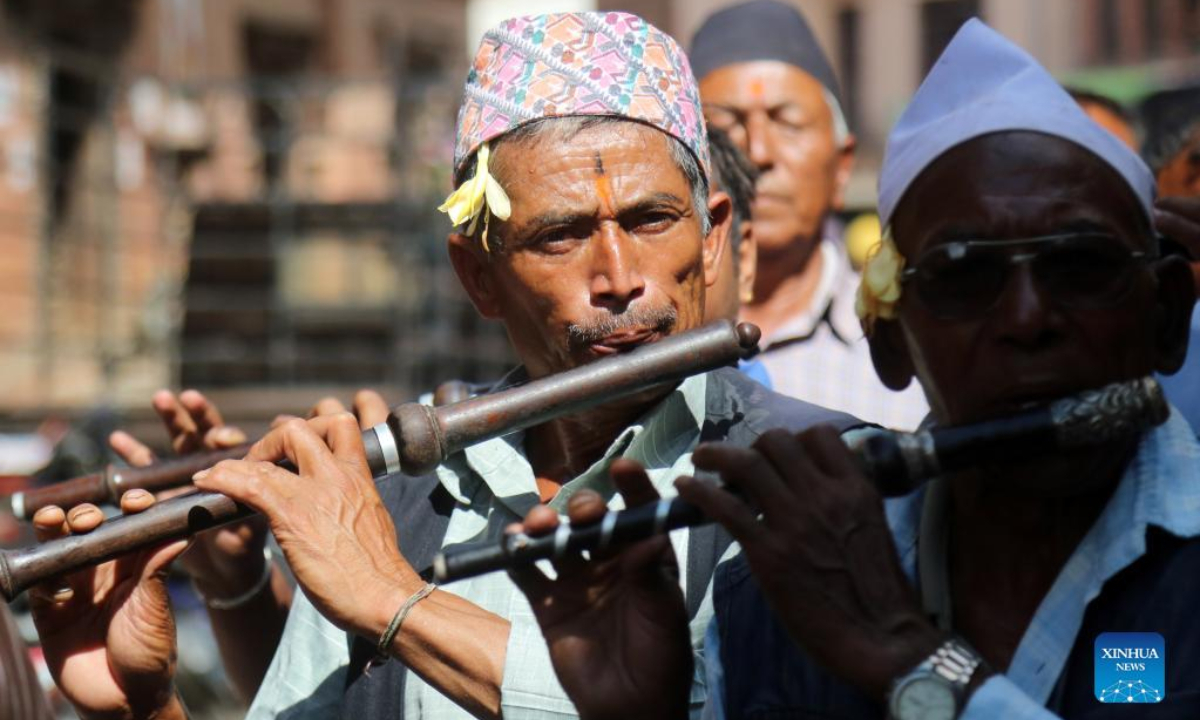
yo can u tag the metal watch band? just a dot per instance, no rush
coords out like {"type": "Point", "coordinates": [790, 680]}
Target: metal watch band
{"type": "Point", "coordinates": [956, 662]}
{"type": "Point", "coordinates": [952, 664]}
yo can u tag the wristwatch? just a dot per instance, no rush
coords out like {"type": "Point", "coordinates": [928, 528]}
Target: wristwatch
{"type": "Point", "coordinates": [937, 688]}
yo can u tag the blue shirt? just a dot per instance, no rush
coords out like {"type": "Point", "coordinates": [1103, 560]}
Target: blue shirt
{"type": "Point", "coordinates": [1160, 487]}
{"type": "Point", "coordinates": [756, 371]}
{"type": "Point", "coordinates": [1183, 388]}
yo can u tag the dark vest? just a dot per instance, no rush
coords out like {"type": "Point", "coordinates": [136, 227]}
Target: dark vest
{"type": "Point", "coordinates": [421, 508]}
{"type": "Point", "coordinates": [767, 677]}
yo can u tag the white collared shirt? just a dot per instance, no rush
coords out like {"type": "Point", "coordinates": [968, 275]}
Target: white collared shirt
{"type": "Point", "coordinates": [821, 356]}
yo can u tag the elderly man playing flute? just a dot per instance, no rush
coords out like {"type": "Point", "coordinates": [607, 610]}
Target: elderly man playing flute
{"type": "Point", "coordinates": [585, 225]}
{"type": "Point", "coordinates": [1020, 264]}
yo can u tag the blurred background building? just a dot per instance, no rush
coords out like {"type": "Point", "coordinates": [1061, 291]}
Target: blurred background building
{"type": "Point", "coordinates": [881, 49]}
{"type": "Point", "coordinates": [238, 195]}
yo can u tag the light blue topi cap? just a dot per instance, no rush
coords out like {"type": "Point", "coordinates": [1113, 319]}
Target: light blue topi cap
{"type": "Point", "coordinates": [983, 84]}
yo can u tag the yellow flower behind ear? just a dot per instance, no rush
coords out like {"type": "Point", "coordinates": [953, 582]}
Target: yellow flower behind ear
{"type": "Point", "coordinates": [481, 195]}
{"type": "Point", "coordinates": [879, 290]}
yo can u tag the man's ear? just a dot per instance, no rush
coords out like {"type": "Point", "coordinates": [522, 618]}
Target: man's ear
{"type": "Point", "coordinates": [747, 262]}
{"type": "Point", "coordinates": [844, 165]}
{"type": "Point", "coordinates": [476, 274]}
{"type": "Point", "coordinates": [720, 209]}
{"type": "Point", "coordinates": [1173, 312]}
{"type": "Point", "coordinates": [890, 355]}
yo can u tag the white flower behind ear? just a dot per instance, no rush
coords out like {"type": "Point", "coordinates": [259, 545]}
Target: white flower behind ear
{"type": "Point", "coordinates": [479, 196]}
{"type": "Point", "coordinates": [879, 290]}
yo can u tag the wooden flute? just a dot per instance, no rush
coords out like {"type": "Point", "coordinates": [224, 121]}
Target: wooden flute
{"type": "Point", "coordinates": [109, 484]}
{"type": "Point", "coordinates": [414, 440]}
{"type": "Point", "coordinates": [896, 462]}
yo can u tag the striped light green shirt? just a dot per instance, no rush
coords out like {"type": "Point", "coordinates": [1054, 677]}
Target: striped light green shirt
{"type": "Point", "coordinates": [494, 485]}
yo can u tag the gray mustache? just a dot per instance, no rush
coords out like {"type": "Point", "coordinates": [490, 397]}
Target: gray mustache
{"type": "Point", "coordinates": [660, 319]}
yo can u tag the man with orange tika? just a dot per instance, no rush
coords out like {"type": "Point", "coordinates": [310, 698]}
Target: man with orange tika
{"type": "Point", "coordinates": [765, 81]}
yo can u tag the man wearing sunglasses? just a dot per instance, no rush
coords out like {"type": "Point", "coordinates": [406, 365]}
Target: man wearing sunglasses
{"type": "Point", "coordinates": [1019, 266]}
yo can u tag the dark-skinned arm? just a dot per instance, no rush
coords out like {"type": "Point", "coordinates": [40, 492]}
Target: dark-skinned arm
{"type": "Point", "coordinates": [824, 557]}
{"type": "Point", "coordinates": [822, 553]}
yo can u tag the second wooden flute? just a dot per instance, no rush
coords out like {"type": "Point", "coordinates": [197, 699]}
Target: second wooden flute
{"type": "Point", "coordinates": [414, 439]}
{"type": "Point", "coordinates": [896, 462]}
{"type": "Point", "coordinates": [109, 484]}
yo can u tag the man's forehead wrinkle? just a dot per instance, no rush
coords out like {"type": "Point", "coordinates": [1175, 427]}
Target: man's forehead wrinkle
{"type": "Point", "coordinates": [763, 81]}
{"type": "Point", "coordinates": [554, 142]}
{"type": "Point", "coordinates": [633, 156]}
{"type": "Point", "coordinates": [1017, 214]}
{"type": "Point", "coordinates": [641, 202]}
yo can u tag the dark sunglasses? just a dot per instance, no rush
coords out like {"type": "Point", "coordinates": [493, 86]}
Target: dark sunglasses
{"type": "Point", "coordinates": [1081, 270]}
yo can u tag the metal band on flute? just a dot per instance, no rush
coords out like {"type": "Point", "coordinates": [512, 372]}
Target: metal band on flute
{"type": "Point", "coordinates": [421, 437]}
{"type": "Point", "coordinates": [387, 447]}
{"type": "Point", "coordinates": [896, 462]}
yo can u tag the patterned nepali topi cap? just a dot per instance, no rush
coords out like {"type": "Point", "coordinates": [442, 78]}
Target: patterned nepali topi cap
{"type": "Point", "coordinates": [561, 64]}
{"type": "Point", "coordinates": [584, 63]}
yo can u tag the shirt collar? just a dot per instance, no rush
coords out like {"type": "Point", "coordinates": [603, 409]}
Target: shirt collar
{"type": "Point", "coordinates": [832, 302]}
{"type": "Point", "coordinates": [1160, 486]}
{"type": "Point", "coordinates": [656, 440]}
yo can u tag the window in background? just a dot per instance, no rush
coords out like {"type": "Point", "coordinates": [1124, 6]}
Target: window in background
{"type": "Point", "coordinates": [1109, 22]}
{"type": "Point", "coordinates": [940, 19]}
{"type": "Point", "coordinates": [276, 54]}
{"type": "Point", "coordinates": [1191, 23]}
{"type": "Point", "coordinates": [848, 56]}
{"type": "Point", "coordinates": [1152, 28]}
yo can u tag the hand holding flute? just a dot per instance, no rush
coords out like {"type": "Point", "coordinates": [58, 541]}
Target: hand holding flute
{"type": "Point", "coordinates": [108, 634]}
{"type": "Point", "coordinates": [124, 599]}
{"type": "Point", "coordinates": [416, 438]}
{"type": "Point", "coordinates": [823, 538]}
{"type": "Point", "coordinates": [895, 462]}
{"type": "Point", "coordinates": [248, 595]}
{"type": "Point", "coordinates": [330, 521]}
{"type": "Point", "coordinates": [222, 563]}
{"type": "Point", "coordinates": [814, 536]}
{"type": "Point", "coordinates": [622, 607]}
